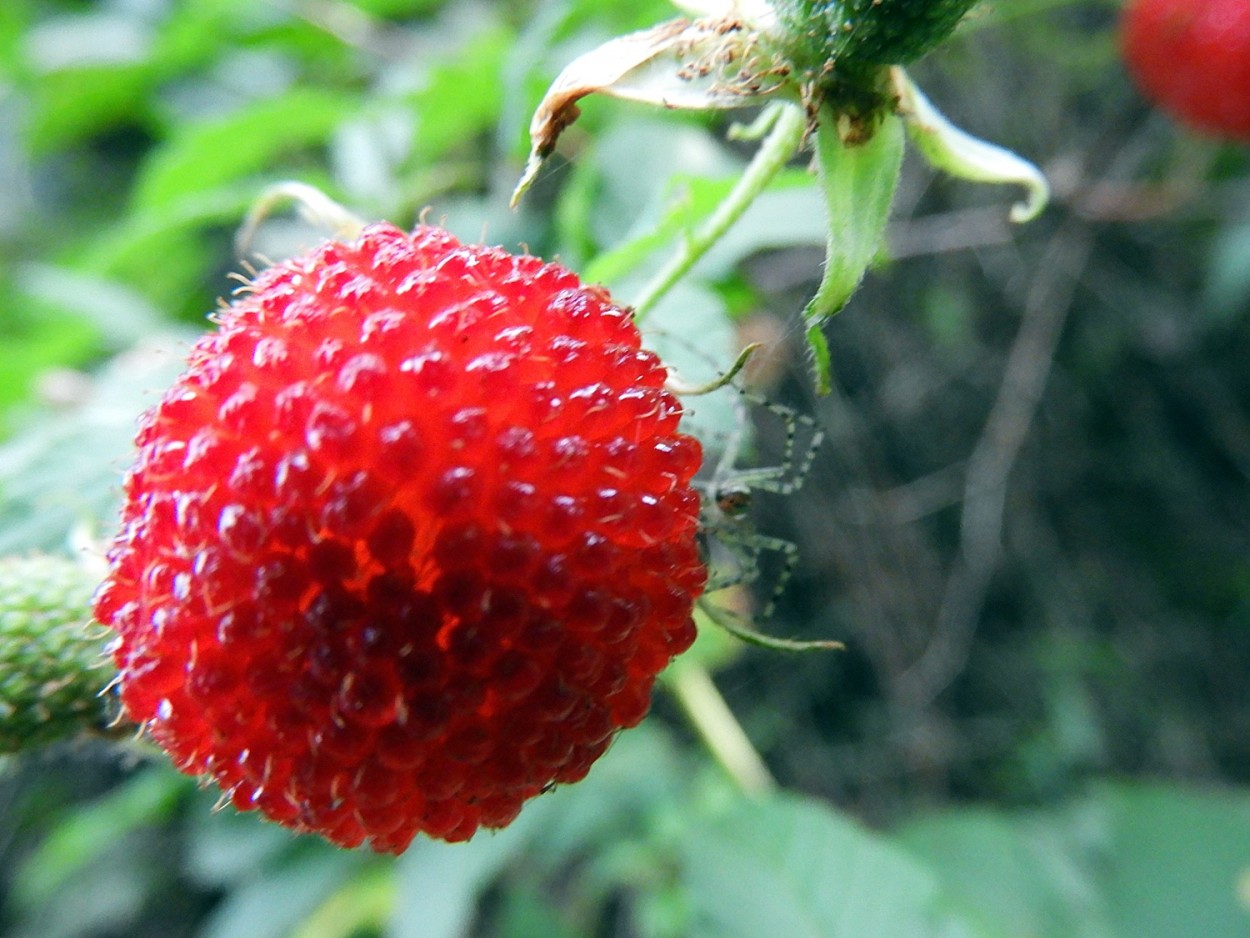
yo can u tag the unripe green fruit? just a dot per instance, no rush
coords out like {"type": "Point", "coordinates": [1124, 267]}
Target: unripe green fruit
{"type": "Point", "coordinates": [856, 35]}
{"type": "Point", "coordinates": [53, 670]}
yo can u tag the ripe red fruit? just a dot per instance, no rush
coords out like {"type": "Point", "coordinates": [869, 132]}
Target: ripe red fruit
{"type": "Point", "coordinates": [1192, 59]}
{"type": "Point", "coordinates": [408, 541]}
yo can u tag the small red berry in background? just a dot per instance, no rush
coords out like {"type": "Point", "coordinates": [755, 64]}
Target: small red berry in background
{"type": "Point", "coordinates": [408, 541]}
{"type": "Point", "coordinates": [1192, 59]}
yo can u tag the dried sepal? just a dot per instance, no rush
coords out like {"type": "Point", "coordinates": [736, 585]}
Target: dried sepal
{"type": "Point", "coordinates": [759, 13]}
{"type": "Point", "coordinates": [711, 63]}
{"type": "Point", "coordinates": [314, 206]}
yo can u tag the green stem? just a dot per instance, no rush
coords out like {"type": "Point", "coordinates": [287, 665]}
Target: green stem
{"type": "Point", "coordinates": [782, 142]}
{"type": "Point", "coordinates": [54, 672]}
{"type": "Point", "coordinates": [720, 729]}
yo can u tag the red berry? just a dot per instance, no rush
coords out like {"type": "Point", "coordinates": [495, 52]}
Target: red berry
{"type": "Point", "coordinates": [407, 542]}
{"type": "Point", "coordinates": [1192, 59]}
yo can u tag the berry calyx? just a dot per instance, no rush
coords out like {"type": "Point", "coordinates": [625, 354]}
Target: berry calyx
{"type": "Point", "coordinates": [1193, 61]}
{"type": "Point", "coordinates": [408, 541]}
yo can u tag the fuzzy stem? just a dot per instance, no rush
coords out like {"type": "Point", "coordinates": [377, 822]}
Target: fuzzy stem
{"type": "Point", "coordinates": [54, 674]}
{"type": "Point", "coordinates": [782, 142]}
{"type": "Point", "coordinates": [720, 729]}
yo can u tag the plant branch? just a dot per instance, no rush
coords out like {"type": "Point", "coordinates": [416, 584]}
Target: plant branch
{"type": "Point", "coordinates": [719, 728]}
{"type": "Point", "coordinates": [991, 463]}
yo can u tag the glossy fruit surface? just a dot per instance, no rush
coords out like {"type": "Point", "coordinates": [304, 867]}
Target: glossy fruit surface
{"type": "Point", "coordinates": [407, 542]}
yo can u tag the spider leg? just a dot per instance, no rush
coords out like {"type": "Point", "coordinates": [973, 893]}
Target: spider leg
{"type": "Point", "coordinates": [733, 547]}
{"type": "Point", "coordinates": [803, 438]}
{"type": "Point", "coordinates": [732, 623]}
{"type": "Point", "coordinates": [747, 546]}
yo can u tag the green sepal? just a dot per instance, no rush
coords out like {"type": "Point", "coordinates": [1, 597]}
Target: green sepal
{"type": "Point", "coordinates": [53, 669]}
{"type": "Point", "coordinates": [957, 152]}
{"type": "Point", "coordinates": [858, 178]}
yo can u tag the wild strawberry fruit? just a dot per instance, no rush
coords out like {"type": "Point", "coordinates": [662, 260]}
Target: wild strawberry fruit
{"type": "Point", "coordinates": [408, 541]}
{"type": "Point", "coordinates": [1192, 59]}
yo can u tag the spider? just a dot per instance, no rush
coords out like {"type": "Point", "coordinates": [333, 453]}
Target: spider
{"type": "Point", "coordinates": [734, 547]}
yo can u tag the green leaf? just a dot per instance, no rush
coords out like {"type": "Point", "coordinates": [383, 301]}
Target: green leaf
{"type": "Point", "coordinates": [207, 155]}
{"type": "Point", "coordinates": [90, 831]}
{"type": "Point", "coordinates": [75, 103]}
{"type": "Point", "coordinates": [695, 199]}
{"type": "Point", "coordinates": [789, 866]}
{"type": "Point", "coordinates": [650, 173]}
{"type": "Point", "coordinates": [691, 332]}
{"type": "Point", "coordinates": [781, 216]}
{"type": "Point", "coordinates": [525, 913]}
{"type": "Point", "coordinates": [461, 96]}
{"type": "Point", "coordinates": [1180, 862]}
{"type": "Point", "coordinates": [194, 32]}
{"type": "Point", "coordinates": [164, 252]}
{"type": "Point", "coordinates": [35, 339]}
{"type": "Point", "coordinates": [273, 905]}
{"type": "Point", "coordinates": [120, 314]}
{"type": "Point", "coordinates": [788, 214]}
{"type": "Point", "coordinates": [1228, 274]}
{"type": "Point", "coordinates": [14, 23]}
{"type": "Point", "coordinates": [66, 470]}
{"type": "Point", "coordinates": [225, 848]}
{"type": "Point", "coordinates": [642, 773]}
{"type": "Point", "coordinates": [1014, 874]}
{"type": "Point", "coordinates": [438, 884]}
{"type": "Point", "coordinates": [361, 905]}
{"type": "Point", "coordinates": [397, 8]}
{"type": "Point", "coordinates": [1147, 861]}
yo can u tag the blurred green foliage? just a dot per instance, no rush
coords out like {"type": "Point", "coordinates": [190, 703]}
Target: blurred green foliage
{"type": "Point", "coordinates": [1030, 522]}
